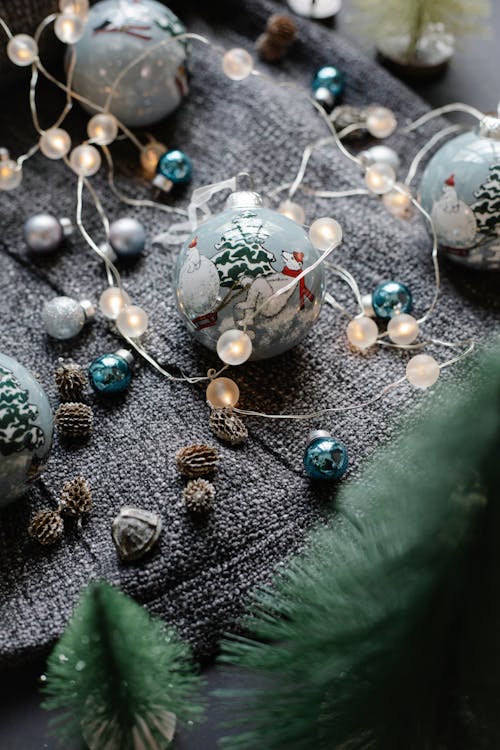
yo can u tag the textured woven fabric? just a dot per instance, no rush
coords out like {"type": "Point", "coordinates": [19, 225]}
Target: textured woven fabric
{"type": "Point", "coordinates": [202, 573]}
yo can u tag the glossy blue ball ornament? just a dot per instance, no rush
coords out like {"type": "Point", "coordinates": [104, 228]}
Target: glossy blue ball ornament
{"type": "Point", "coordinates": [330, 78]}
{"type": "Point", "coordinates": [127, 237]}
{"type": "Point", "coordinates": [111, 373]}
{"type": "Point", "coordinates": [325, 457]}
{"type": "Point", "coordinates": [391, 298]}
{"type": "Point", "coordinates": [174, 168]}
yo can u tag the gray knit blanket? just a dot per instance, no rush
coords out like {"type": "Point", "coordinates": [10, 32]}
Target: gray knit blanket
{"type": "Point", "coordinates": [202, 574]}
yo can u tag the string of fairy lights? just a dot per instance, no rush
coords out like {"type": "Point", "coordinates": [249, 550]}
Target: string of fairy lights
{"type": "Point", "coordinates": [235, 346]}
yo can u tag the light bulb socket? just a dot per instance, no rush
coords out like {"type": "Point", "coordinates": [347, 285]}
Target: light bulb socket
{"type": "Point", "coordinates": [125, 354]}
{"type": "Point", "coordinates": [244, 199]}
{"type": "Point", "coordinates": [88, 309]}
{"type": "Point", "coordinates": [316, 434]}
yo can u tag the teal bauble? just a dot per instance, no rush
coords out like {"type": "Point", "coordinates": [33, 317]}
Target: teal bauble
{"type": "Point", "coordinates": [325, 457]}
{"type": "Point", "coordinates": [391, 298]}
{"type": "Point", "coordinates": [118, 32]}
{"type": "Point", "coordinates": [230, 268]}
{"type": "Point", "coordinates": [26, 427]}
{"type": "Point", "coordinates": [331, 78]}
{"type": "Point", "coordinates": [460, 189]}
{"type": "Point", "coordinates": [174, 168]}
{"type": "Point", "coordinates": [111, 373]}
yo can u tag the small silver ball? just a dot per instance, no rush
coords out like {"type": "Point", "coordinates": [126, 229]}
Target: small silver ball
{"type": "Point", "coordinates": [63, 317]}
{"type": "Point", "coordinates": [42, 233]}
{"type": "Point", "coordinates": [127, 237]}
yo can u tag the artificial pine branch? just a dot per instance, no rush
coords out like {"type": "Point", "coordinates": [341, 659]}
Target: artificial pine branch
{"type": "Point", "coordinates": [119, 677]}
{"type": "Point", "coordinates": [354, 643]}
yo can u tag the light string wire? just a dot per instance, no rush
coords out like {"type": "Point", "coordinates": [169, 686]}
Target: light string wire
{"type": "Point", "coordinates": [113, 274]}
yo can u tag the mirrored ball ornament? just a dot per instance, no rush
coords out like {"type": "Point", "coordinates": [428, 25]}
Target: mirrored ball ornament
{"type": "Point", "coordinates": [43, 233]}
{"type": "Point", "coordinates": [118, 32]}
{"type": "Point", "coordinates": [325, 457]}
{"type": "Point", "coordinates": [127, 237]}
{"type": "Point", "coordinates": [391, 298]}
{"type": "Point", "coordinates": [111, 373]}
{"type": "Point", "coordinates": [174, 168]}
{"type": "Point", "coordinates": [229, 272]}
{"type": "Point", "coordinates": [27, 427]}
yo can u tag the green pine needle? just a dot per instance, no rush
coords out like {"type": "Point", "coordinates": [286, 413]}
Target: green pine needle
{"type": "Point", "coordinates": [118, 676]}
{"type": "Point", "coordinates": [353, 643]}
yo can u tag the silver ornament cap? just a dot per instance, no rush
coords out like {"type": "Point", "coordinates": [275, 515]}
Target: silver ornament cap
{"type": "Point", "coordinates": [244, 199]}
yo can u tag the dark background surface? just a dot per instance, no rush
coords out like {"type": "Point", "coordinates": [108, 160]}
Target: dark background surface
{"type": "Point", "coordinates": [472, 78]}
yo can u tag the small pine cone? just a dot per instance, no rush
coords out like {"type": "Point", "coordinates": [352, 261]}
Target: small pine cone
{"type": "Point", "coordinates": [197, 460]}
{"type": "Point", "coordinates": [74, 420]}
{"type": "Point", "coordinates": [269, 50]}
{"type": "Point", "coordinates": [46, 527]}
{"type": "Point", "coordinates": [282, 29]}
{"type": "Point", "coordinates": [199, 495]}
{"type": "Point", "coordinates": [76, 497]}
{"type": "Point", "coordinates": [227, 426]}
{"type": "Point", "coordinates": [71, 381]}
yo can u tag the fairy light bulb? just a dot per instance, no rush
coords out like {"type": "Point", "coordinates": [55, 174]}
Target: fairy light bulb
{"type": "Point", "coordinates": [74, 7]}
{"type": "Point", "coordinates": [112, 301]}
{"type": "Point", "coordinates": [403, 329]}
{"type": "Point", "coordinates": [85, 160]}
{"type": "Point", "coordinates": [422, 371]}
{"type": "Point", "coordinates": [398, 200]}
{"type": "Point", "coordinates": [69, 27]}
{"type": "Point", "coordinates": [222, 392]}
{"type": "Point", "coordinates": [234, 347]}
{"type": "Point", "coordinates": [150, 156]}
{"type": "Point", "coordinates": [380, 178]}
{"type": "Point", "coordinates": [11, 173]}
{"type": "Point", "coordinates": [103, 128]}
{"type": "Point", "coordinates": [237, 64]}
{"type": "Point", "coordinates": [132, 321]}
{"type": "Point", "coordinates": [381, 122]}
{"type": "Point", "coordinates": [292, 211]}
{"type": "Point", "coordinates": [325, 232]}
{"type": "Point", "coordinates": [362, 332]}
{"type": "Point", "coordinates": [22, 50]}
{"type": "Point", "coordinates": [55, 143]}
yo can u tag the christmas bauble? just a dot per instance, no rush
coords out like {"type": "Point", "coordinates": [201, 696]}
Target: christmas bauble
{"type": "Point", "coordinates": [25, 429]}
{"type": "Point", "coordinates": [229, 270]}
{"type": "Point", "coordinates": [460, 188]}
{"type": "Point", "coordinates": [117, 32]}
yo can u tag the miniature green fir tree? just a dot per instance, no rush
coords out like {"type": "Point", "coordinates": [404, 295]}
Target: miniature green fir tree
{"type": "Point", "coordinates": [119, 678]}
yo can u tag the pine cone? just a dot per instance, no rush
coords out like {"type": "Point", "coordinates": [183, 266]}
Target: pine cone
{"type": "Point", "coordinates": [282, 29]}
{"type": "Point", "coordinates": [199, 496]}
{"type": "Point", "coordinates": [227, 426]}
{"type": "Point", "coordinates": [74, 420]}
{"type": "Point", "coordinates": [269, 50]}
{"type": "Point", "coordinates": [71, 381]}
{"type": "Point", "coordinates": [46, 527]}
{"type": "Point", "coordinates": [76, 497]}
{"type": "Point", "coordinates": [197, 460]}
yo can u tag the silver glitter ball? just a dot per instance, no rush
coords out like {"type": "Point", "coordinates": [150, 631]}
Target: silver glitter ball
{"type": "Point", "coordinates": [127, 237]}
{"type": "Point", "coordinates": [43, 233]}
{"type": "Point", "coordinates": [63, 317]}
{"type": "Point", "coordinates": [135, 532]}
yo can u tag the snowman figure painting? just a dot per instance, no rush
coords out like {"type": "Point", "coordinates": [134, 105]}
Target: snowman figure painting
{"type": "Point", "coordinates": [454, 221]}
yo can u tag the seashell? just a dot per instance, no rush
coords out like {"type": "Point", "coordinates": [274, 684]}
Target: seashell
{"type": "Point", "coordinates": [228, 426]}
{"type": "Point", "coordinates": [197, 460]}
{"type": "Point", "coordinates": [135, 532]}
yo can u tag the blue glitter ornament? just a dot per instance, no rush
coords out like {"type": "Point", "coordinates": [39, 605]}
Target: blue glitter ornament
{"type": "Point", "coordinates": [174, 168]}
{"type": "Point", "coordinates": [111, 373]}
{"type": "Point", "coordinates": [26, 428]}
{"type": "Point", "coordinates": [325, 457]}
{"type": "Point", "coordinates": [330, 78]}
{"type": "Point", "coordinates": [391, 298]}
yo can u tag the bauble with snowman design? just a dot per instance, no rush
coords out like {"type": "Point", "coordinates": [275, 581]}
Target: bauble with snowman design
{"type": "Point", "coordinates": [230, 268]}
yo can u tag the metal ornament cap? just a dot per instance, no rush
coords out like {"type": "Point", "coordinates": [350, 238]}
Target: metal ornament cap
{"type": "Point", "coordinates": [244, 199]}
{"type": "Point", "coordinates": [135, 532]}
{"type": "Point", "coordinates": [315, 434]}
{"type": "Point", "coordinates": [88, 309]}
{"type": "Point", "coordinates": [489, 127]}
{"type": "Point", "coordinates": [127, 355]}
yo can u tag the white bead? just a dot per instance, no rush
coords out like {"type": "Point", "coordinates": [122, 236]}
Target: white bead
{"type": "Point", "coordinates": [234, 347]}
{"type": "Point", "coordinates": [402, 329]}
{"type": "Point", "coordinates": [112, 301]}
{"type": "Point", "coordinates": [293, 211]}
{"type": "Point", "coordinates": [422, 371]}
{"type": "Point", "coordinates": [237, 64]}
{"type": "Point", "coordinates": [22, 50]}
{"type": "Point", "coordinates": [74, 7]}
{"type": "Point", "coordinates": [381, 153]}
{"type": "Point", "coordinates": [85, 160]}
{"type": "Point", "coordinates": [381, 122]}
{"type": "Point", "coordinates": [398, 202]}
{"type": "Point", "coordinates": [55, 143]}
{"type": "Point", "coordinates": [11, 174]}
{"type": "Point", "coordinates": [325, 232]}
{"type": "Point", "coordinates": [132, 321]}
{"type": "Point", "coordinates": [380, 178]}
{"type": "Point", "coordinates": [362, 332]}
{"type": "Point", "coordinates": [102, 128]}
{"type": "Point", "coordinates": [69, 27]}
{"type": "Point", "coordinates": [222, 392]}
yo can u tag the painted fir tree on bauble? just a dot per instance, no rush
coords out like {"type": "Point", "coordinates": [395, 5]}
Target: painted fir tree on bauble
{"type": "Point", "coordinates": [17, 417]}
{"type": "Point", "coordinates": [487, 206]}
